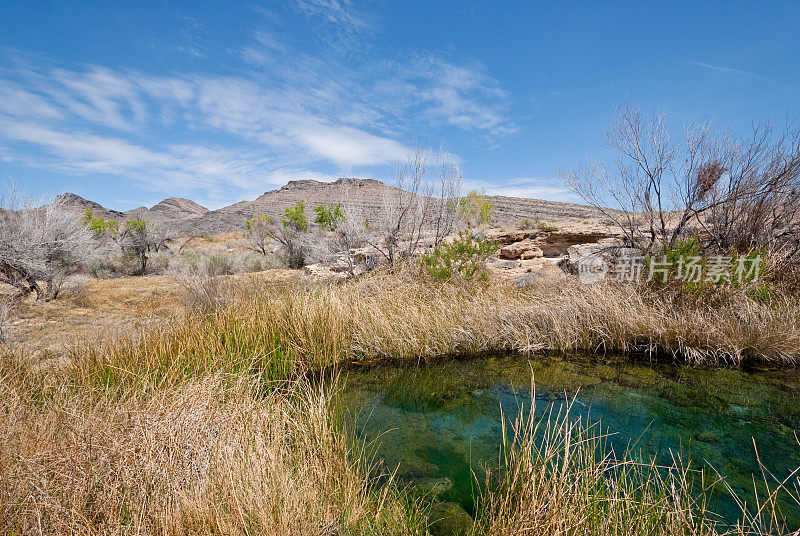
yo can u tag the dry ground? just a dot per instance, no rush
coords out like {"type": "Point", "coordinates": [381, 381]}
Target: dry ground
{"type": "Point", "coordinates": [95, 309]}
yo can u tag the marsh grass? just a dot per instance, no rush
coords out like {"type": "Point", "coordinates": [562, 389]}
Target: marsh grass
{"type": "Point", "coordinates": [208, 423]}
{"type": "Point", "coordinates": [558, 475]}
{"type": "Point", "coordinates": [215, 454]}
{"type": "Point", "coordinates": [276, 330]}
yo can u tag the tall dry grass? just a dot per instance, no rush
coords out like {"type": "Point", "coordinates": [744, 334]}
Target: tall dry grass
{"type": "Point", "coordinates": [205, 424]}
{"type": "Point", "coordinates": [213, 455]}
{"type": "Point", "coordinates": [278, 330]}
{"type": "Point", "coordinates": [556, 475]}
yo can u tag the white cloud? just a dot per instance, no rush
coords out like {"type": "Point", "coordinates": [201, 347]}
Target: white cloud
{"type": "Point", "coordinates": [288, 111]}
{"type": "Point", "coordinates": [527, 187]}
{"type": "Point", "coordinates": [346, 21]}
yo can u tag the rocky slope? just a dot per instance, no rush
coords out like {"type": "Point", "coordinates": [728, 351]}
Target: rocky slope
{"type": "Point", "coordinates": [169, 212]}
{"type": "Point", "coordinates": [177, 216]}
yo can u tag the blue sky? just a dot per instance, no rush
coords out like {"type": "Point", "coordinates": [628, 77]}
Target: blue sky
{"type": "Point", "coordinates": [130, 102]}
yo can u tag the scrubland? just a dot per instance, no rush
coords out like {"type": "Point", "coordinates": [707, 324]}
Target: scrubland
{"type": "Point", "coordinates": [220, 416]}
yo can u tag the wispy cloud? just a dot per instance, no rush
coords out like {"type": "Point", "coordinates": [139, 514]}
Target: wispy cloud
{"type": "Point", "coordinates": [530, 187]}
{"type": "Point", "coordinates": [748, 74]}
{"type": "Point", "coordinates": [346, 22]}
{"type": "Point", "coordinates": [289, 113]}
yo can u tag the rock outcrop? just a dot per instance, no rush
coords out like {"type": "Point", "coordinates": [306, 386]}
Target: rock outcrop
{"type": "Point", "coordinates": [524, 249]}
{"type": "Point", "coordinates": [530, 245]}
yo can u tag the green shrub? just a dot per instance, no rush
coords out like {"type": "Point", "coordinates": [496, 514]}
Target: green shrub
{"type": "Point", "coordinates": [727, 274]}
{"type": "Point", "coordinates": [219, 264]}
{"type": "Point", "coordinates": [99, 226]}
{"type": "Point", "coordinates": [546, 226]}
{"type": "Point", "coordinates": [475, 208]}
{"type": "Point", "coordinates": [252, 263]}
{"type": "Point", "coordinates": [296, 217]}
{"type": "Point", "coordinates": [329, 217]}
{"type": "Point", "coordinates": [762, 293]}
{"type": "Point", "coordinates": [464, 257]}
{"type": "Point", "coordinates": [526, 223]}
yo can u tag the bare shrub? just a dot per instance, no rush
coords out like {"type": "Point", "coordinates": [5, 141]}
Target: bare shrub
{"type": "Point", "coordinates": [417, 205]}
{"type": "Point", "coordinates": [736, 193]}
{"type": "Point", "coordinates": [290, 234]}
{"type": "Point", "coordinates": [293, 242]}
{"type": "Point", "coordinates": [448, 194]}
{"type": "Point", "coordinates": [756, 199]}
{"type": "Point", "coordinates": [350, 233]}
{"type": "Point", "coordinates": [137, 239]}
{"type": "Point", "coordinates": [405, 207]}
{"type": "Point", "coordinates": [257, 231]}
{"type": "Point", "coordinates": [45, 244]}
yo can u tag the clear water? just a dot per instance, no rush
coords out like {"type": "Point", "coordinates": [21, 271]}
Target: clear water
{"type": "Point", "coordinates": [443, 421]}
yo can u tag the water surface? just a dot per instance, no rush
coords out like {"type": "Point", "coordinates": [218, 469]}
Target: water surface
{"type": "Point", "coordinates": [440, 424]}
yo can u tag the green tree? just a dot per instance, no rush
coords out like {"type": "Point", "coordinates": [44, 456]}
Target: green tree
{"type": "Point", "coordinates": [296, 217]}
{"type": "Point", "coordinates": [475, 208]}
{"type": "Point", "coordinates": [329, 217]}
{"type": "Point", "coordinates": [99, 226]}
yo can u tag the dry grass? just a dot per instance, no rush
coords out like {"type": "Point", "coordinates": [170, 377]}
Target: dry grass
{"type": "Point", "coordinates": [215, 455]}
{"type": "Point", "coordinates": [269, 327]}
{"type": "Point", "coordinates": [556, 476]}
{"type": "Point", "coordinates": [199, 424]}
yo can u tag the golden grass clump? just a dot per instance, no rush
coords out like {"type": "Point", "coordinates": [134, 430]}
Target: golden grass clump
{"type": "Point", "coordinates": [557, 476]}
{"type": "Point", "coordinates": [280, 330]}
{"type": "Point", "coordinates": [214, 455]}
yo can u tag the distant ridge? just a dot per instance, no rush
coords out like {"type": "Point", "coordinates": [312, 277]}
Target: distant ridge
{"type": "Point", "coordinates": [178, 216]}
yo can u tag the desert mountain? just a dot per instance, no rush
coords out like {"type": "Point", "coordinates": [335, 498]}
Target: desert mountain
{"type": "Point", "coordinates": [178, 216]}
{"type": "Point", "coordinates": [169, 212]}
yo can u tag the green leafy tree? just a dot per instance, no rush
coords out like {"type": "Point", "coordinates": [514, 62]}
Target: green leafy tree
{"type": "Point", "coordinates": [296, 217]}
{"type": "Point", "coordinates": [475, 208]}
{"type": "Point", "coordinates": [329, 217]}
{"type": "Point", "coordinates": [99, 226]}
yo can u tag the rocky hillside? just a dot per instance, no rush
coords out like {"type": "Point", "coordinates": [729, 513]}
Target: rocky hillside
{"type": "Point", "coordinates": [177, 216]}
{"type": "Point", "coordinates": [79, 204]}
{"type": "Point", "coordinates": [169, 212]}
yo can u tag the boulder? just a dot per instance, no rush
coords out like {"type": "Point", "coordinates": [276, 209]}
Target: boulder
{"type": "Point", "coordinates": [508, 236]}
{"type": "Point", "coordinates": [556, 243]}
{"type": "Point", "coordinates": [449, 519]}
{"type": "Point", "coordinates": [527, 278]}
{"type": "Point", "coordinates": [592, 261]}
{"type": "Point", "coordinates": [506, 265]}
{"type": "Point", "coordinates": [431, 487]}
{"type": "Point", "coordinates": [524, 249]}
